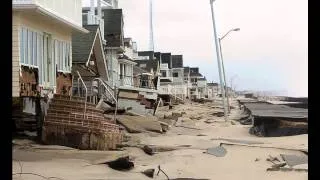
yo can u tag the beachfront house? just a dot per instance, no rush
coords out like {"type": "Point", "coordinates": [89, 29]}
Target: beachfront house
{"type": "Point", "coordinates": [194, 76]}
{"type": "Point", "coordinates": [41, 54]}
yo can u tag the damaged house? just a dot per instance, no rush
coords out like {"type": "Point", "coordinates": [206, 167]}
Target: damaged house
{"type": "Point", "coordinates": [89, 60]}
{"type": "Point", "coordinates": [137, 90]}
{"type": "Point", "coordinates": [45, 47]}
{"type": "Point", "coordinates": [41, 56]}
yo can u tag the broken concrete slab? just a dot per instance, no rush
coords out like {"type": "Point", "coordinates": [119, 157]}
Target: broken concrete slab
{"type": "Point", "coordinates": [138, 124]}
{"type": "Point", "coordinates": [218, 151]}
{"type": "Point", "coordinates": [293, 160]}
{"type": "Point", "coordinates": [301, 166]}
{"type": "Point", "coordinates": [278, 165]}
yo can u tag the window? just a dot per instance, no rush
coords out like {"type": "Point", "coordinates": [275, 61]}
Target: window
{"type": "Point", "coordinates": [40, 56]}
{"type": "Point", "coordinates": [29, 47]}
{"type": "Point", "coordinates": [163, 73]}
{"type": "Point", "coordinates": [121, 71]}
{"type": "Point", "coordinates": [175, 74]}
{"type": "Point", "coordinates": [62, 55]}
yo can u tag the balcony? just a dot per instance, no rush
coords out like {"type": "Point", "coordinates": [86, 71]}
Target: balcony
{"type": "Point", "coordinates": [65, 11]}
{"type": "Point", "coordinates": [95, 20]}
{"type": "Point", "coordinates": [135, 82]}
{"type": "Point", "coordinates": [173, 90]}
{"type": "Point", "coordinates": [166, 79]}
{"type": "Point", "coordinates": [164, 66]}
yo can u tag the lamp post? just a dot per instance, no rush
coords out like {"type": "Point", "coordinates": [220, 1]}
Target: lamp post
{"type": "Point", "coordinates": [218, 59]}
{"type": "Point", "coordinates": [224, 73]}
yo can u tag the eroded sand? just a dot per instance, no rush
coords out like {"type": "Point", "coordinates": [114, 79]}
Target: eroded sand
{"type": "Point", "coordinates": [240, 162]}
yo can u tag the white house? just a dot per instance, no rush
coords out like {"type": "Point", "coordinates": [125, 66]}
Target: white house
{"type": "Point", "coordinates": [41, 51]}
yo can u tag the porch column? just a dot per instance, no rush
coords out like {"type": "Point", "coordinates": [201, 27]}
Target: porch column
{"type": "Point", "coordinates": [123, 75]}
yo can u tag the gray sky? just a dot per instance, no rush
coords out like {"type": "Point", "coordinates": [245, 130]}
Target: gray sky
{"type": "Point", "coordinates": [268, 53]}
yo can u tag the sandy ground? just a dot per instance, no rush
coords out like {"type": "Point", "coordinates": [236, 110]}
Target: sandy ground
{"type": "Point", "coordinates": [240, 162]}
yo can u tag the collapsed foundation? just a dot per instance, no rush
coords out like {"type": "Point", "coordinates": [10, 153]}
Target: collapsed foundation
{"type": "Point", "coordinates": [72, 122]}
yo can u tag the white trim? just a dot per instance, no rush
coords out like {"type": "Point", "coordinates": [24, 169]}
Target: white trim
{"type": "Point", "coordinates": [103, 55]}
{"type": "Point", "coordinates": [91, 50]}
{"type": "Point", "coordinates": [52, 14]}
{"type": "Point", "coordinates": [27, 65]}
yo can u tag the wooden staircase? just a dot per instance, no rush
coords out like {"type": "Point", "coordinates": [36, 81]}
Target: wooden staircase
{"type": "Point", "coordinates": [73, 122]}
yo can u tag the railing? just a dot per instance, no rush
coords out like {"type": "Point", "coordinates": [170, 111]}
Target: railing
{"type": "Point", "coordinates": [126, 80]}
{"type": "Point", "coordinates": [165, 89]}
{"type": "Point", "coordinates": [107, 88]}
{"type": "Point", "coordinates": [85, 102]}
{"type": "Point", "coordinates": [164, 66]}
{"type": "Point", "coordinates": [136, 82]}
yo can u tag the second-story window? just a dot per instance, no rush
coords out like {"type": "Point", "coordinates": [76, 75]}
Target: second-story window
{"type": "Point", "coordinates": [175, 74]}
{"type": "Point", "coordinates": [163, 73]}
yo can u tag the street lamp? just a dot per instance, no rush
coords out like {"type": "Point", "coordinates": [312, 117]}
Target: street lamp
{"type": "Point", "coordinates": [224, 74]}
{"type": "Point", "coordinates": [218, 58]}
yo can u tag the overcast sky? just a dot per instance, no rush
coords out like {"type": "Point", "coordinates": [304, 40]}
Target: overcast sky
{"type": "Point", "coordinates": [268, 53]}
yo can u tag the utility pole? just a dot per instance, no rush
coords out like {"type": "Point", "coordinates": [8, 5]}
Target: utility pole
{"type": "Point", "coordinates": [151, 42]}
{"type": "Point", "coordinates": [218, 59]}
{"type": "Point", "coordinates": [224, 78]}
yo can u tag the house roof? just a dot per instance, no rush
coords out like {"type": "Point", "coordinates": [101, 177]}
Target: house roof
{"type": "Point", "coordinates": [82, 44]}
{"type": "Point", "coordinates": [146, 53]}
{"type": "Point", "coordinates": [177, 61]}
{"type": "Point", "coordinates": [202, 79]}
{"type": "Point", "coordinates": [113, 26]}
{"type": "Point", "coordinates": [166, 58]}
{"type": "Point", "coordinates": [83, 70]}
{"type": "Point", "coordinates": [186, 70]}
{"type": "Point", "coordinates": [194, 71]}
{"type": "Point", "coordinates": [157, 55]}
{"type": "Point", "coordinates": [212, 84]}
